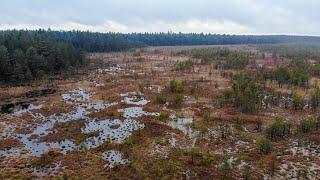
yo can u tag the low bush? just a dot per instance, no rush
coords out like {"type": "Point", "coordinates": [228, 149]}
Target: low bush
{"type": "Point", "coordinates": [176, 87]}
{"type": "Point", "coordinates": [185, 66]}
{"type": "Point", "coordinates": [163, 116]}
{"type": "Point", "coordinates": [160, 99]}
{"type": "Point", "coordinates": [206, 116]}
{"type": "Point", "coordinates": [171, 167]}
{"type": "Point", "coordinates": [177, 100]}
{"type": "Point", "coordinates": [278, 130]}
{"type": "Point", "coordinates": [307, 125]}
{"type": "Point", "coordinates": [264, 145]}
{"type": "Point", "coordinates": [240, 123]}
{"type": "Point", "coordinates": [207, 159]}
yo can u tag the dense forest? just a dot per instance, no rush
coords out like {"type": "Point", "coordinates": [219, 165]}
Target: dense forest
{"type": "Point", "coordinates": [106, 42]}
{"type": "Point", "coordinates": [173, 39]}
{"type": "Point", "coordinates": [26, 56]}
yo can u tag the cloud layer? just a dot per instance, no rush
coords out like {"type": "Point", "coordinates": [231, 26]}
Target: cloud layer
{"type": "Point", "coordinates": [219, 16]}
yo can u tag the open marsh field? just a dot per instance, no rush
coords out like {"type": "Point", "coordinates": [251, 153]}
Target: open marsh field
{"type": "Point", "coordinates": [162, 113]}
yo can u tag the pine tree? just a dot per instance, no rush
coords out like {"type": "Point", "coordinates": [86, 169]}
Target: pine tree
{"type": "Point", "coordinates": [4, 63]}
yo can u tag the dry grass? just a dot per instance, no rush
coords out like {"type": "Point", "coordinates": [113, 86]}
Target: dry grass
{"type": "Point", "coordinates": [152, 67]}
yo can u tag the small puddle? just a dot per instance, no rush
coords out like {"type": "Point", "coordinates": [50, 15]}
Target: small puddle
{"type": "Point", "coordinates": [114, 158]}
{"type": "Point", "coordinates": [112, 69]}
{"type": "Point", "coordinates": [35, 148]}
{"type": "Point", "coordinates": [133, 112]}
{"type": "Point", "coordinates": [76, 95]}
{"type": "Point", "coordinates": [26, 108]}
{"type": "Point", "coordinates": [30, 142]}
{"type": "Point", "coordinates": [183, 125]}
{"type": "Point", "coordinates": [110, 130]}
{"type": "Point", "coordinates": [134, 98]}
{"type": "Point", "coordinates": [136, 101]}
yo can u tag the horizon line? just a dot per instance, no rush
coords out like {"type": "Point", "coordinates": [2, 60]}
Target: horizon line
{"type": "Point", "coordinates": [159, 32]}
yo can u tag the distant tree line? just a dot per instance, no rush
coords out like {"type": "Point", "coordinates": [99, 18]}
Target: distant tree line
{"type": "Point", "coordinates": [89, 41]}
{"type": "Point", "coordinates": [30, 54]}
{"type": "Point", "coordinates": [172, 39]}
{"type": "Point", "coordinates": [25, 56]}
{"type": "Point", "coordinates": [106, 42]}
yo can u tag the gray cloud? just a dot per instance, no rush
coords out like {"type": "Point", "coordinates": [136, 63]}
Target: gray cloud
{"type": "Point", "coordinates": [215, 16]}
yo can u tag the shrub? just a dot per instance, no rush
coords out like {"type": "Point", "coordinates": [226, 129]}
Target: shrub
{"type": "Point", "coordinates": [278, 130]}
{"type": "Point", "coordinates": [264, 145]}
{"type": "Point", "coordinates": [258, 123]}
{"type": "Point", "coordinates": [129, 141]}
{"type": "Point", "coordinates": [245, 93]}
{"type": "Point", "coordinates": [225, 166]}
{"type": "Point", "coordinates": [135, 76]}
{"type": "Point", "coordinates": [176, 87]}
{"type": "Point", "coordinates": [314, 101]}
{"type": "Point", "coordinates": [237, 61]}
{"type": "Point", "coordinates": [185, 66]}
{"type": "Point", "coordinates": [194, 152]}
{"type": "Point", "coordinates": [203, 129]}
{"type": "Point", "coordinates": [298, 102]}
{"type": "Point", "coordinates": [225, 131]}
{"type": "Point", "coordinates": [136, 54]}
{"type": "Point", "coordinates": [247, 172]}
{"type": "Point", "coordinates": [65, 176]}
{"type": "Point", "coordinates": [194, 87]}
{"type": "Point", "coordinates": [216, 85]}
{"type": "Point", "coordinates": [306, 126]}
{"type": "Point", "coordinates": [318, 121]}
{"type": "Point", "coordinates": [177, 100]}
{"type": "Point", "coordinates": [163, 116]}
{"type": "Point", "coordinates": [240, 122]}
{"type": "Point", "coordinates": [206, 116]}
{"type": "Point", "coordinates": [135, 166]}
{"type": "Point", "coordinates": [207, 159]}
{"type": "Point", "coordinates": [171, 167]}
{"type": "Point", "coordinates": [272, 166]}
{"type": "Point", "coordinates": [282, 75]}
{"type": "Point", "coordinates": [138, 94]}
{"type": "Point", "coordinates": [159, 171]}
{"type": "Point", "coordinates": [201, 79]}
{"type": "Point", "coordinates": [160, 99]}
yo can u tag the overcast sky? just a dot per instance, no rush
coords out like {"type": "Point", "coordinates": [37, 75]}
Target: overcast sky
{"type": "Point", "coordinates": [299, 17]}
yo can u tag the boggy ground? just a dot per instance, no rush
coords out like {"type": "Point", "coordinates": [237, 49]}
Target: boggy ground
{"type": "Point", "coordinates": [107, 124]}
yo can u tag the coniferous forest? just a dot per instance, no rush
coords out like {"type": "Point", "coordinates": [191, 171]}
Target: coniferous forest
{"type": "Point", "coordinates": [31, 54]}
{"type": "Point", "coordinates": [25, 56]}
